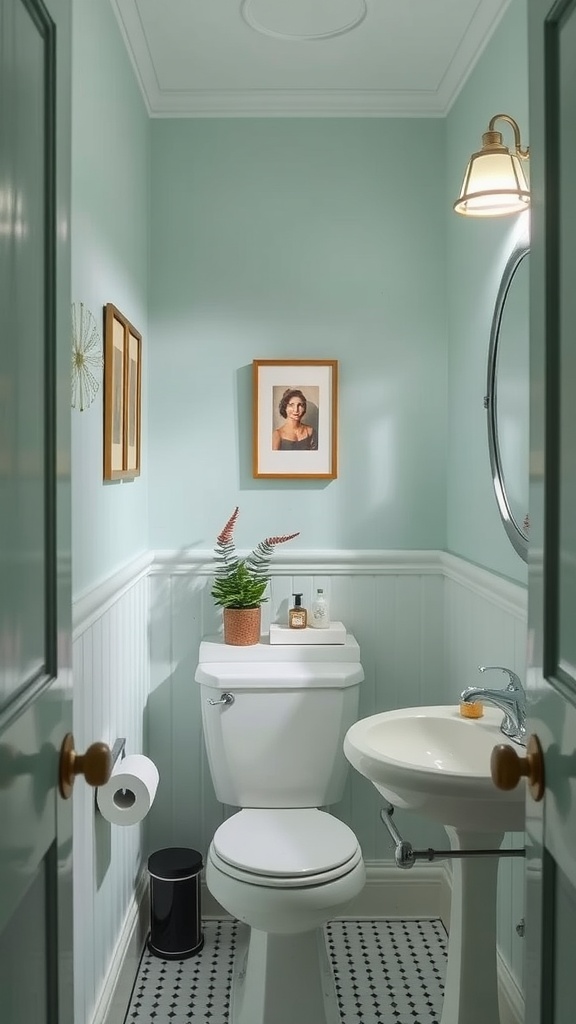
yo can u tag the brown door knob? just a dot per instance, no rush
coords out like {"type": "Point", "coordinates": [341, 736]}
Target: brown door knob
{"type": "Point", "coordinates": [507, 768]}
{"type": "Point", "coordinates": [95, 765]}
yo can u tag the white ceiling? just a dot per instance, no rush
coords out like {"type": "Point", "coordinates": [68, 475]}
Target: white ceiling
{"type": "Point", "coordinates": [304, 58]}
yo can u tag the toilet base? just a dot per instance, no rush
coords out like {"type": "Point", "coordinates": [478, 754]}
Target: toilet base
{"type": "Point", "coordinates": [281, 979]}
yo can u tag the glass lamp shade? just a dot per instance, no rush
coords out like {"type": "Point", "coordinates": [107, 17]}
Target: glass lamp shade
{"type": "Point", "coordinates": [494, 185]}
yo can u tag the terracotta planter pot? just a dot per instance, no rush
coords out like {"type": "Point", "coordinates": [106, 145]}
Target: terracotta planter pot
{"type": "Point", "coordinates": [242, 626]}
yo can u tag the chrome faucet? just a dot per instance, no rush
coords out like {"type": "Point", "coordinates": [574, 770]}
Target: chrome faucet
{"type": "Point", "coordinates": [512, 701]}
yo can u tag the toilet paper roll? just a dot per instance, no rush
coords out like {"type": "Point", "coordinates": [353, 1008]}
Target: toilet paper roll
{"type": "Point", "coordinates": [129, 793]}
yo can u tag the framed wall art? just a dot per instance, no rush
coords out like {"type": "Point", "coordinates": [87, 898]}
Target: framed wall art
{"type": "Point", "coordinates": [133, 401]}
{"type": "Point", "coordinates": [122, 396]}
{"type": "Point", "coordinates": [295, 428]}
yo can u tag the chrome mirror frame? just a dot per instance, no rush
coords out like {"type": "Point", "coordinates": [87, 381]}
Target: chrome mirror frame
{"type": "Point", "coordinates": [517, 532]}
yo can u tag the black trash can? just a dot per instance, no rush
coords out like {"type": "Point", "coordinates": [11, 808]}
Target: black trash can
{"type": "Point", "coordinates": [175, 910]}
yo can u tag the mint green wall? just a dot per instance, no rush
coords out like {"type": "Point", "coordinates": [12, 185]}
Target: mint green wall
{"type": "Point", "coordinates": [292, 239]}
{"type": "Point", "coordinates": [110, 176]}
{"type": "Point", "coordinates": [289, 238]}
{"type": "Point", "coordinates": [477, 252]}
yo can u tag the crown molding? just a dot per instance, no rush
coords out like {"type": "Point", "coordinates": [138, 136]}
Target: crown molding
{"type": "Point", "coordinates": [293, 103]}
{"type": "Point", "coordinates": [200, 103]}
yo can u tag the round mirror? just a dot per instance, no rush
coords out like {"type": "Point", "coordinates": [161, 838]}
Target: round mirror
{"type": "Point", "coordinates": [507, 399]}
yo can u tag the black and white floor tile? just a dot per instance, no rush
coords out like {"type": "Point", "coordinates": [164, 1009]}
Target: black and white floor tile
{"type": "Point", "coordinates": [388, 972]}
{"type": "Point", "coordinates": [385, 972]}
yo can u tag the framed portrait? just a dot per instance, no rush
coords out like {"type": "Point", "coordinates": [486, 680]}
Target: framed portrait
{"type": "Point", "coordinates": [133, 402]}
{"type": "Point", "coordinates": [295, 428]}
{"type": "Point", "coordinates": [122, 396]}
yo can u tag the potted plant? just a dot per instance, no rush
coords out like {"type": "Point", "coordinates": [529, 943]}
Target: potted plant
{"type": "Point", "coordinates": [240, 584]}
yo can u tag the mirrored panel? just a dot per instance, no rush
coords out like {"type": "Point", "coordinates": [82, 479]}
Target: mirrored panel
{"type": "Point", "coordinates": [507, 398]}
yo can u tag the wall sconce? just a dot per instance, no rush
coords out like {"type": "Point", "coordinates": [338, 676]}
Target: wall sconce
{"type": "Point", "coordinates": [494, 183]}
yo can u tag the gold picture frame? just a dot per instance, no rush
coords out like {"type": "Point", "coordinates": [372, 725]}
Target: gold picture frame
{"type": "Point", "coordinates": [295, 427]}
{"type": "Point", "coordinates": [122, 396]}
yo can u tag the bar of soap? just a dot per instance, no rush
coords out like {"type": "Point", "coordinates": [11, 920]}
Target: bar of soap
{"type": "Point", "coordinates": [473, 709]}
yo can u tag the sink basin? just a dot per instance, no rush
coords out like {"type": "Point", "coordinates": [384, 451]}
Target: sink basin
{"type": "Point", "coordinates": [432, 761]}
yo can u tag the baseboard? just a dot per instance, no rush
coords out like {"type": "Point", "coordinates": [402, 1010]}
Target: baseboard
{"type": "Point", "coordinates": [511, 998]}
{"type": "Point", "coordinates": [115, 995]}
{"type": "Point", "coordinates": [390, 892]}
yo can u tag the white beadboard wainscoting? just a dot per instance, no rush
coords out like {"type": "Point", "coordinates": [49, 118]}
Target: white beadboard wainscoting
{"type": "Point", "coordinates": [424, 621]}
{"type": "Point", "coordinates": [111, 686]}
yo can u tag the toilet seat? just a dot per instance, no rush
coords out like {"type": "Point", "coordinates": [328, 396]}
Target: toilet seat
{"type": "Point", "coordinates": [285, 848]}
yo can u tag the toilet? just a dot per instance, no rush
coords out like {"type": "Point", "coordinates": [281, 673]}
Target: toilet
{"type": "Point", "coordinates": [274, 720]}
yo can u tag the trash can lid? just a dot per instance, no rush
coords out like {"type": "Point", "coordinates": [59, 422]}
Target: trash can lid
{"type": "Point", "coordinates": [174, 862]}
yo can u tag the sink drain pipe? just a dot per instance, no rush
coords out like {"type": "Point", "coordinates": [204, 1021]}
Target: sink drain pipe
{"type": "Point", "coordinates": [406, 856]}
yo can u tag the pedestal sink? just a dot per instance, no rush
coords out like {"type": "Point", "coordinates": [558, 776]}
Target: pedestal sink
{"type": "Point", "coordinates": [433, 762]}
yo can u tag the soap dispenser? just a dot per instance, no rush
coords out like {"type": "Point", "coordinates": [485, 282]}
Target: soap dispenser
{"type": "Point", "coordinates": [297, 616]}
{"type": "Point", "coordinates": [319, 614]}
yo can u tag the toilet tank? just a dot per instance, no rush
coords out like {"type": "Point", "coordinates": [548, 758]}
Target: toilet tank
{"type": "Point", "coordinates": [280, 743]}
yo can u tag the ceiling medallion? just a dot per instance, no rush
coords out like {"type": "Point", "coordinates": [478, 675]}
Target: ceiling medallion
{"type": "Point", "coordinates": [301, 21]}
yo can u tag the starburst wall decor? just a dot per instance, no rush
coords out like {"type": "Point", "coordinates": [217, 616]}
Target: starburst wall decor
{"type": "Point", "coordinates": [87, 361]}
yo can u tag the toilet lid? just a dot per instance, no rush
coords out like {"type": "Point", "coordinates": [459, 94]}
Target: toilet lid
{"type": "Point", "coordinates": [285, 843]}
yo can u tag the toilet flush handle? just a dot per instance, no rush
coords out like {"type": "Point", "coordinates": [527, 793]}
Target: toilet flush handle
{"type": "Point", "coordinates": [226, 698]}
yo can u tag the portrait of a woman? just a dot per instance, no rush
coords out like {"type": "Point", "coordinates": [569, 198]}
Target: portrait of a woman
{"type": "Point", "coordinates": [294, 434]}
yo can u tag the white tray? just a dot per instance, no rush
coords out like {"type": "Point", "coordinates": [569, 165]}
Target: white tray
{"type": "Point", "coordinates": [335, 634]}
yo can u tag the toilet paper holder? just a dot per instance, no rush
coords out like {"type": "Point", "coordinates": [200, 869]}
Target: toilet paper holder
{"type": "Point", "coordinates": [129, 793]}
{"type": "Point", "coordinates": [118, 749]}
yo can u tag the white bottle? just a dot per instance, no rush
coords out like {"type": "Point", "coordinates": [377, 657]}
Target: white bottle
{"type": "Point", "coordinates": [319, 616]}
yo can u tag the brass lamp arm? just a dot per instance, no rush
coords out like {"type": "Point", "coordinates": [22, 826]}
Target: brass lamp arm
{"type": "Point", "coordinates": [521, 152]}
